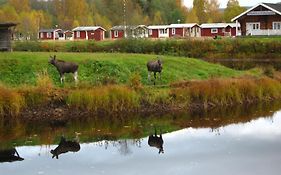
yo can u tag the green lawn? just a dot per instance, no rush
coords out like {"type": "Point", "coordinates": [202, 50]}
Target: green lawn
{"type": "Point", "coordinates": [18, 68]}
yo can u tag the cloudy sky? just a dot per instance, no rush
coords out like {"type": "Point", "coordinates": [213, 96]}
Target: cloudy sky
{"type": "Point", "coordinates": [242, 2]}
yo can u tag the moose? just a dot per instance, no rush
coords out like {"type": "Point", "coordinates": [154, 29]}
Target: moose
{"type": "Point", "coordinates": [10, 155]}
{"type": "Point", "coordinates": [156, 141]}
{"type": "Point", "coordinates": [64, 147]}
{"type": "Point", "coordinates": [64, 67]}
{"type": "Point", "coordinates": [154, 66]}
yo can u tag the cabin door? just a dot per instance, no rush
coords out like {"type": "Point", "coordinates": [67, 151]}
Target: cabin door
{"type": "Point", "coordinates": [252, 28]}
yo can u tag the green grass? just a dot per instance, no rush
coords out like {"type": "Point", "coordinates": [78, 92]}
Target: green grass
{"type": "Point", "coordinates": [19, 68]}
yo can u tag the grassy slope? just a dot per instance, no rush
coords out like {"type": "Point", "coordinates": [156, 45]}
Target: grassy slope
{"type": "Point", "coordinates": [22, 67]}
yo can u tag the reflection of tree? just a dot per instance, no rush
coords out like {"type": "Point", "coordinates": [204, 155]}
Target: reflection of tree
{"type": "Point", "coordinates": [123, 146]}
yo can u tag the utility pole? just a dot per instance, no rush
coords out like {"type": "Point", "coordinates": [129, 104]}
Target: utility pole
{"type": "Point", "coordinates": [124, 10]}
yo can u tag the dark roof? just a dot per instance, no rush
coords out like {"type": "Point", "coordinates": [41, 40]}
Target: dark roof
{"type": "Point", "coordinates": [276, 7]}
{"type": "Point", "coordinates": [7, 24]}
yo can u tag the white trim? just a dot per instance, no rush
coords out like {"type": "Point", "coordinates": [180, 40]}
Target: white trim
{"type": "Point", "coordinates": [115, 33]}
{"type": "Point", "coordinates": [49, 34]}
{"type": "Point", "coordinates": [78, 34]}
{"type": "Point", "coordinates": [235, 18]}
{"type": "Point", "coordinates": [150, 32]}
{"type": "Point", "coordinates": [41, 35]}
{"type": "Point", "coordinates": [173, 31]}
{"type": "Point", "coordinates": [278, 27]}
{"type": "Point", "coordinates": [214, 30]}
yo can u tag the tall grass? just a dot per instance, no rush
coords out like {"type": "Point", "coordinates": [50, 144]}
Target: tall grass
{"type": "Point", "coordinates": [223, 92]}
{"type": "Point", "coordinates": [11, 102]}
{"type": "Point", "coordinates": [110, 98]}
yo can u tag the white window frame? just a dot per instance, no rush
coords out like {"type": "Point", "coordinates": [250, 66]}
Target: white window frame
{"type": "Point", "coordinates": [115, 33]}
{"type": "Point", "coordinates": [42, 35]}
{"type": "Point", "coordinates": [173, 31]}
{"type": "Point", "coordinates": [276, 25]}
{"type": "Point", "coordinates": [150, 31]}
{"type": "Point", "coordinates": [78, 34]}
{"type": "Point", "coordinates": [255, 25]}
{"type": "Point", "coordinates": [214, 30]}
{"type": "Point", "coordinates": [49, 34]}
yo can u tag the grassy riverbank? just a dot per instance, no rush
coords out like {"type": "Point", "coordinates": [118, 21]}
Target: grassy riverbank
{"type": "Point", "coordinates": [23, 68]}
{"type": "Point", "coordinates": [117, 84]}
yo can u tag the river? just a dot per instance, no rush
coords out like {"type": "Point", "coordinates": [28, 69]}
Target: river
{"type": "Point", "coordinates": [240, 140]}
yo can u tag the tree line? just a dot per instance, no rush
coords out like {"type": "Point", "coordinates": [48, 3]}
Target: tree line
{"type": "Point", "coordinates": [33, 15]}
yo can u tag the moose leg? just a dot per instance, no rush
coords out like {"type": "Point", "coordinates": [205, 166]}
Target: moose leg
{"type": "Point", "coordinates": [75, 75]}
{"type": "Point", "coordinates": [154, 78]}
{"type": "Point", "coordinates": [62, 78]}
{"type": "Point", "coordinates": [148, 76]}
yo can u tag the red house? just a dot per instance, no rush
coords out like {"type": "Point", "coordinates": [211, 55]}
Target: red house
{"type": "Point", "coordinates": [184, 30]}
{"type": "Point", "coordinates": [139, 31]}
{"type": "Point", "coordinates": [51, 34]}
{"type": "Point", "coordinates": [219, 29]}
{"type": "Point", "coordinates": [117, 32]}
{"type": "Point", "coordinates": [261, 19]}
{"type": "Point", "coordinates": [158, 31]}
{"type": "Point", "coordinates": [89, 33]}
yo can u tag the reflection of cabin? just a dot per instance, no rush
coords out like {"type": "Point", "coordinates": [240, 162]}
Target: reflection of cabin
{"type": "Point", "coordinates": [139, 31]}
{"type": "Point", "coordinates": [89, 33]}
{"type": "Point", "coordinates": [51, 34]}
{"type": "Point", "coordinates": [220, 29]}
{"type": "Point", "coordinates": [5, 36]}
{"type": "Point", "coordinates": [158, 31]}
{"type": "Point", "coordinates": [262, 19]}
{"type": "Point", "coordinates": [184, 30]}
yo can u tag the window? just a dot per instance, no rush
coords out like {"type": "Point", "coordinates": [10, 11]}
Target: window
{"type": "Point", "coordinates": [214, 30]}
{"type": "Point", "coordinates": [256, 26]}
{"type": "Point", "coordinates": [163, 31]}
{"type": "Point", "coordinates": [223, 30]}
{"type": "Point", "coordinates": [173, 31]}
{"type": "Point", "coordinates": [49, 35]}
{"type": "Point", "coordinates": [115, 33]}
{"type": "Point", "coordinates": [276, 25]}
{"type": "Point", "coordinates": [78, 34]}
{"type": "Point", "coordinates": [41, 35]}
{"type": "Point", "coordinates": [150, 32]}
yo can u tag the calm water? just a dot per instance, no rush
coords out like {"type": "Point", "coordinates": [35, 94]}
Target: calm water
{"type": "Point", "coordinates": [241, 142]}
{"type": "Point", "coordinates": [245, 64]}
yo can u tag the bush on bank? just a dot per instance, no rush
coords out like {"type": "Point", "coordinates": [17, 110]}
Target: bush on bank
{"type": "Point", "coordinates": [208, 48]}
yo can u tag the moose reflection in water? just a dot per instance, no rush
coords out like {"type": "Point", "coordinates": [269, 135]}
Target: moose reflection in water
{"type": "Point", "coordinates": [9, 155]}
{"type": "Point", "coordinates": [64, 147]}
{"type": "Point", "coordinates": [157, 142]}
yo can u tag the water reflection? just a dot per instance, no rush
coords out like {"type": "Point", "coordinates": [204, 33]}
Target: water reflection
{"type": "Point", "coordinates": [157, 142]}
{"type": "Point", "coordinates": [10, 155]}
{"type": "Point", "coordinates": [64, 147]}
{"type": "Point", "coordinates": [245, 64]}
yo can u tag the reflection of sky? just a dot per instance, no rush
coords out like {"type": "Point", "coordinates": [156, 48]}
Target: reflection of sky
{"type": "Point", "coordinates": [249, 148]}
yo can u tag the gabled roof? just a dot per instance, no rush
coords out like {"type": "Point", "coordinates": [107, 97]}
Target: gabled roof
{"type": "Point", "coordinates": [49, 30]}
{"type": "Point", "coordinates": [218, 25]}
{"type": "Point", "coordinates": [187, 25]}
{"type": "Point", "coordinates": [273, 7]}
{"type": "Point", "coordinates": [158, 27]}
{"type": "Point", "coordinates": [87, 28]}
